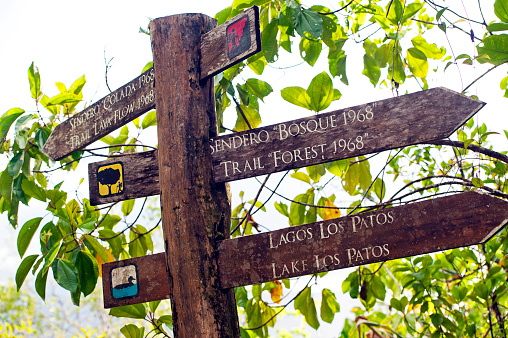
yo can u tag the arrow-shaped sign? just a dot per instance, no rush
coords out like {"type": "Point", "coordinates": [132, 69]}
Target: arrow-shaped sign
{"type": "Point", "coordinates": [434, 225]}
{"type": "Point", "coordinates": [368, 128]}
{"type": "Point", "coordinates": [232, 42]}
{"type": "Point", "coordinates": [101, 118]}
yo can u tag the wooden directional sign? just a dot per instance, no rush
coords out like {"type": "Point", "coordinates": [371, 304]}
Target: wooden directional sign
{"type": "Point", "coordinates": [418, 228]}
{"type": "Point", "coordinates": [232, 42]}
{"type": "Point", "coordinates": [101, 118]}
{"type": "Point", "coordinates": [125, 177]}
{"type": "Point", "coordinates": [135, 280]}
{"type": "Point", "coordinates": [222, 47]}
{"type": "Point", "coordinates": [368, 128]}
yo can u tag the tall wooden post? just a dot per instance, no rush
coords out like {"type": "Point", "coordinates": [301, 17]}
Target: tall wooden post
{"type": "Point", "coordinates": [195, 210]}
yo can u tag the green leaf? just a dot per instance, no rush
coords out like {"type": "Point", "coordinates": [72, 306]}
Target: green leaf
{"type": "Point", "coordinates": [78, 85]}
{"type": "Point", "coordinates": [477, 182]}
{"type": "Point", "coordinates": [132, 331]}
{"type": "Point", "coordinates": [33, 190]}
{"type": "Point", "coordinates": [396, 11]}
{"type": "Point", "coordinates": [436, 319]}
{"type": "Point", "coordinates": [269, 43]}
{"type": "Point", "coordinates": [297, 96]}
{"type": "Point", "coordinates": [63, 98]}
{"type": "Point", "coordinates": [40, 283]}
{"type": "Point", "coordinates": [34, 78]}
{"type": "Point", "coordinates": [501, 10]}
{"type": "Point", "coordinates": [154, 305]}
{"type": "Point", "coordinates": [370, 69]}
{"type": "Point", "coordinates": [23, 270]}
{"type": "Point", "coordinates": [166, 319]}
{"type": "Point", "coordinates": [149, 120]}
{"type": "Point", "coordinates": [497, 27]}
{"type": "Point", "coordinates": [260, 88]}
{"type": "Point", "coordinates": [41, 136]}
{"type": "Point", "coordinates": [495, 47]}
{"type": "Point", "coordinates": [252, 116]}
{"type": "Point", "coordinates": [88, 272]}
{"type": "Point", "coordinates": [430, 50]}
{"type": "Point", "coordinates": [26, 234]}
{"type": "Point", "coordinates": [66, 275]}
{"type": "Point", "coordinates": [137, 311]}
{"type": "Point", "coordinates": [329, 305]}
{"type": "Point", "coordinates": [282, 208]}
{"type": "Point", "coordinates": [8, 119]}
{"type": "Point", "coordinates": [316, 172]}
{"type": "Point", "coordinates": [305, 304]}
{"type": "Point", "coordinates": [51, 255]}
{"type": "Point", "coordinates": [6, 185]}
{"type": "Point", "coordinates": [411, 10]}
{"type": "Point", "coordinates": [127, 207]}
{"type": "Point", "coordinates": [301, 176]}
{"type": "Point", "coordinates": [97, 247]}
{"type": "Point", "coordinates": [308, 24]}
{"type": "Point", "coordinates": [380, 188]}
{"type": "Point", "coordinates": [320, 92]}
{"type": "Point", "coordinates": [15, 164]}
{"type": "Point", "coordinates": [310, 50]}
{"type": "Point", "coordinates": [417, 62]}
{"type": "Point", "coordinates": [297, 211]}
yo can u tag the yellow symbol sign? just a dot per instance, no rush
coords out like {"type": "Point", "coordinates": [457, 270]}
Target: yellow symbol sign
{"type": "Point", "coordinates": [110, 179]}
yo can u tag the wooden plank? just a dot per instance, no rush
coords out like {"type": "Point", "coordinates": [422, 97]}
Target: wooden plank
{"type": "Point", "coordinates": [230, 43]}
{"type": "Point", "coordinates": [101, 118]}
{"type": "Point", "coordinates": [194, 209]}
{"type": "Point", "coordinates": [418, 228]}
{"type": "Point", "coordinates": [148, 282]}
{"type": "Point", "coordinates": [368, 128]}
{"type": "Point", "coordinates": [124, 177]}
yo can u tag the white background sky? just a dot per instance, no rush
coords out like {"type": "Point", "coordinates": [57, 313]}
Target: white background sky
{"type": "Point", "coordinates": [67, 39]}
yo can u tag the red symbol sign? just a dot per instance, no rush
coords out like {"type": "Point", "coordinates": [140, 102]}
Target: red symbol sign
{"type": "Point", "coordinates": [238, 37]}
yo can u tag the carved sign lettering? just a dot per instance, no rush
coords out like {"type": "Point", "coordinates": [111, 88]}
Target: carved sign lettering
{"type": "Point", "coordinates": [101, 118]}
{"type": "Point", "coordinates": [368, 128]}
{"type": "Point", "coordinates": [418, 228]}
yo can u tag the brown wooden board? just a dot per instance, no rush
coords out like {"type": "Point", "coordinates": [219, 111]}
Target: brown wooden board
{"type": "Point", "coordinates": [368, 128]}
{"type": "Point", "coordinates": [418, 228]}
{"type": "Point", "coordinates": [149, 280]}
{"type": "Point", "coordinates": [230, 43]}
{"type": "Point", "coordinates": [124, 177]}
{"type": "Point", "coordinates": [101, 118]}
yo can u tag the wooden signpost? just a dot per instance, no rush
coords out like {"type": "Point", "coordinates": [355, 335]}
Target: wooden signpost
{"type": "Point", "coordinates": [368, 128]}
{"type": "Point", "coordinates": [414, 229]}
{"type": "Point", "coordinates": [201, 266]}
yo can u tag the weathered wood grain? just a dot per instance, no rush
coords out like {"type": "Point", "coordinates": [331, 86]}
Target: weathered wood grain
{"type": "Point", "coordinates": [152, 280]}
{"type": "Point", "coordinates": [214, 45]}
{"type": "Point", "coordinates": [195, 209]}
{"type": "Point", "coordinates": [434, 225]}
{"type": "Point", "coordinates": [368, 128]}
{"type": "Point", "coordinates": [101, 118]}
{"type": "Point", "coordinates": [140, 177]}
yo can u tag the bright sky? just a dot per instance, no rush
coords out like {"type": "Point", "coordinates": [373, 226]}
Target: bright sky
{"type": "Point", "coordinates": [68, 39]}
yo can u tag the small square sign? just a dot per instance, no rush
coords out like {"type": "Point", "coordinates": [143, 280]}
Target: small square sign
{"type": "Point", "coordinates": [124, 282]}
{"type": "Point", "coordinates": [238, 37]}
{"type": "Point", "coordinates": [110, 179]}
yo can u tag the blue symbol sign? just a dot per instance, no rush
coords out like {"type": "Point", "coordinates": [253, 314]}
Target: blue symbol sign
{"type": "Point", "coordinates": [124, 282]}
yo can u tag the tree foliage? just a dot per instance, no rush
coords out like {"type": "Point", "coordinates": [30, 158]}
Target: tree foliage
{"type": "Point", "coordinates": [458, 293]}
